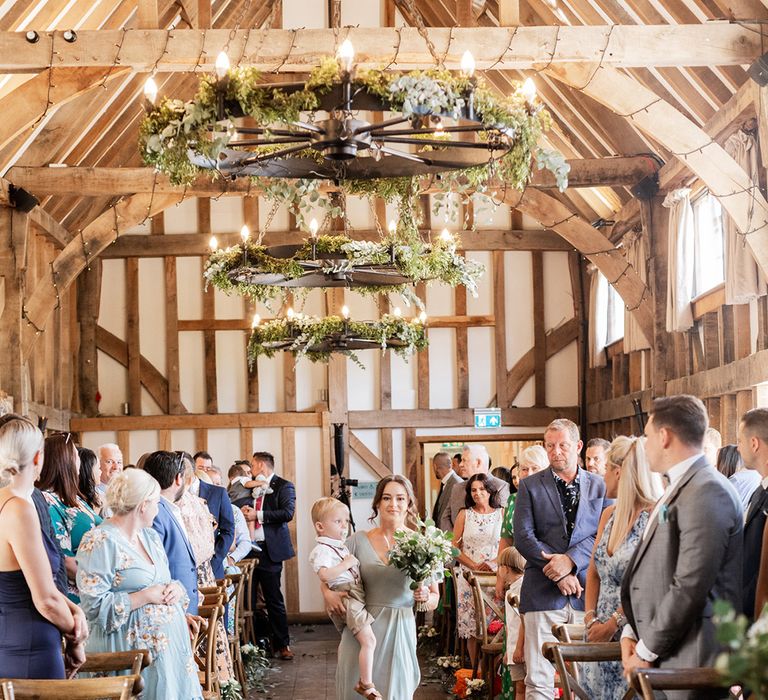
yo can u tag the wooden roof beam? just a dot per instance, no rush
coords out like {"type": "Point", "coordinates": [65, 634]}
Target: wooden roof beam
{"type": "Point", "coordinates": [623, 171]}
{"type": "Point", "coordinates": [714, 43]}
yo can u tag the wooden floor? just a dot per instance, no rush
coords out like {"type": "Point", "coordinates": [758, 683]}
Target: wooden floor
{"type": "Point", "coordinates": [310, 676]}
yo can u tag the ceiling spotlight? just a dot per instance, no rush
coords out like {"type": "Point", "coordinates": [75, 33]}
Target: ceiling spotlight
{"type": "Point", "coordinates": [70, 36]}
{"type": "Point", "coordinates": [32, 36]}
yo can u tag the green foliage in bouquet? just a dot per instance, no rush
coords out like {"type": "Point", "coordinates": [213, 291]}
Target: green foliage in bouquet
{"type": "Point", "coordinates": [746, 660]}
{"type": "Point", "coordinates": [422, 553]}
{"type": "Point", "coordinates": [231, 690]}
{"type": "Point", "coordinates": [256, 664]}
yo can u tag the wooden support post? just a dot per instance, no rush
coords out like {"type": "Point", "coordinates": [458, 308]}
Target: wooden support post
{"type": "Point", "coordinates": [132, 335]}
{"type": "Point", "coordinates": [148, 16]}
{"type": "Point", "coordinates": [11, 306]}
{"type": "Point", "coordinates": [727, 333]}
{"type": "Point", "coordinates": [462, 342]}
{"type": "Point", "coordinates": [164, 440]}
{"type": "Point", "coordinates": [201, 439]}
{"type": "Point", "coordinates": [509, 13]}
{"type": "Point", "coordinates": [714, 410]}
{"type": "Point", "coordinates": [385, 388]}
{"type": "Point", "coordinates": [124, 443]}
{"type": "Point", "coordinates": [88, 299]}
{"type": "Point", "coordinates": [292, 565]}
{"type": "Point", "coordinates": [204, 14]}
{"type": "Point", "coordinates": [539, 331]}
{"type": "Point", "coordinates": [743, 339]}
{"type": "Point", "coordinates": [464, 16]}
{"type": "Point", "coordinates": [500, 329]}
{"type": "Point", "coordinates": [744, 402]}
{"type": "Point", "coordinates": [730, 418]}
{"type": "Point", "coordinates": [711, 329]}
{"type": "Point", "coordinates": [413, 469]}
{"type": "Point", "coordinates": [422, 360]}
{"type": "Point", "coordinates": [289, 371]}
{"type": "Point", "coordinates": [246, 443]}
{"type": "Point", "coordinates": [209, 313]}
{"type": "Point", "coordinates": [326, 458]}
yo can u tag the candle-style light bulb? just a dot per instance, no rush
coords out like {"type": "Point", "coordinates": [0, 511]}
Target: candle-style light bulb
{"type": "Point", "coordinates": [467, 64]}
{"type": "Point", "coordinates": [256, 320]}
{"type": "Point", "coordinates": [423, 317]}
{"type": "Point", "coordinates": [313, 228]}
{"type": "Point", "coordinates": [245, 233]}
{"type": "Point", "coordinates": [213, 244]}
{"type": "Point", "coordinates": [397, 312]}
{"type": "Point", "coordinates": [528, 90]}
{"type": "Point", "coordinates": [446, 236]}
{"type": "Point", "coordinates": [346, 54]}
{"type": "Point", "coordinates": [222, 65]}
{"type": "Point", "coordinates": [439, 128]}
{"type": "Point", "coordinates": [150, 90]}
{"type": "Point", "coordinates": [392, 227]}
{"type": "Point", "coordinates": [290, 313]}
{"type": "Point", "coordinates": [345, 311]}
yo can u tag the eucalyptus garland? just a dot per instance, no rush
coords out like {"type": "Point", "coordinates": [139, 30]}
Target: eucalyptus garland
{"type": "Point", "coordinates": [413, 258]}
{"type": "Point", "coordinates": [317, 338]}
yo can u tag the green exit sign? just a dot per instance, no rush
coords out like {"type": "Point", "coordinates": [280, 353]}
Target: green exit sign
{"type": "Point", "coordinates": [487, 418]}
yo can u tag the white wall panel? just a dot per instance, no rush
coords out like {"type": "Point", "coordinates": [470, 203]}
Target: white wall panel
{"type": "Point", "coordinates": [224, 447]}
{"type": "Point", "coordinates": [482, 366]}
{"type": "Point", "coordinates": [141, 441]}
{"type": "Point", "coordinates": [518, 302]}
{"type": "Point", "coordinates": [226, 215]}
{"type": "Point", "coordinates": [113, 385]}
{"type": "Point", "coordinates": [403, 382]}
{"type": "Point", "coordinates": [483, 303]}
{"type": "Point", "coordinates": [192, 371]}
{"type": "Point", "coordinates": [112, 302]}
{"type": "Point", "coordinates": [227, 305]}
{"type": "Point", "coordinates": [362, 14]}
{"type": "Point", "coordinates": [148, 405]}
{"type": "Point", "coordinates": [94, 440]}
{"type": "Point", "coordinates": [298, 14]}
{"type": "Point", "coordinates": [189, 274]}
{"type": "Point", "coordinates": [231, 374]}
{"type": "Point", "coordinates": [562, 377]}
{"type": "Point", "coordinates": [152, 311]}
{"type": "Point", "coordinates": [309, 487]}
{"type": "Point", "coordinates": [182, 218]}
{"type": "Point", "coordinates": [270, 369]}
{"type": "Point", "coordinates": [442, 364]}
{"type": "Point", "coordinates": [184, 440]}
{"type": "Point", "coordinates": [558, 297]}
{"type": "Point", "coordinates": [440, 299]}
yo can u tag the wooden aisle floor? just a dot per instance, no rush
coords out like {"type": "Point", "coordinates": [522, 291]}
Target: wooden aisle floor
{"type": "Point", "coordinates": [310, 676]}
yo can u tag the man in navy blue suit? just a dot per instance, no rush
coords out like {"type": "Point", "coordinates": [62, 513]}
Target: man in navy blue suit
{"type": "Point", "coordinates": [220, 506]}
{"type": "Point", "coordinates": [167, 469]}
{"type": "Point", "coordinates": [271, 517]}
{"type": "Point", "coordinates": [557, 512]}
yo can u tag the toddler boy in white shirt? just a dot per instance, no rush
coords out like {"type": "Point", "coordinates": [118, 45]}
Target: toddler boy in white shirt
{"type": "Point", "coordinates": [340, 571]}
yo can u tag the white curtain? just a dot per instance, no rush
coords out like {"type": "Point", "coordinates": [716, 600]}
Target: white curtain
{"type": "Point", "coordinates": [679, 260]}
{"type": "Point", "coordinates": [636, 251]}
{"type": "Point", "coordinates": [744, 280]}
{"type": "Point", "coordinates": [598, 317]}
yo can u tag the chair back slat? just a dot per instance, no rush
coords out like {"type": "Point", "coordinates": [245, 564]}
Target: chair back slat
{"type": "Point", "coordinates": [112, 661]}
{"type": "Point", "coordinates": [113, 688]}
{"type": "Point", "coordinates": [565, 655]}
{"type": "Point", "coordinates": [647, 680]}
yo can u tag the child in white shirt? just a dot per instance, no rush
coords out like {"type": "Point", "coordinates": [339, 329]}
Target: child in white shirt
{"type": "Point", "coordinates": [340, 571]}
{"type": "Point", "coordinates": [511, 569]}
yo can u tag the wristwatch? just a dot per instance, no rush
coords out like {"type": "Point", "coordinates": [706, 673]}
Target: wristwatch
{"type": "Point", "coordinates": [619, 618]}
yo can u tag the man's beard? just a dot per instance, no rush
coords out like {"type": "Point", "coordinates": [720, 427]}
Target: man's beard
{"type": "Point", "coordinates": [179, 493]}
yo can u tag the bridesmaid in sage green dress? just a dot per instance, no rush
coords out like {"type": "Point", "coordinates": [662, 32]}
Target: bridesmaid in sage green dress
{"type": "Point", "coordinates": [388, 598]}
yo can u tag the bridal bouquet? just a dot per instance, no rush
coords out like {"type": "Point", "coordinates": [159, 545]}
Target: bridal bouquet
{"type": "Point", "coordinates": [422, 554]}
{"type": "Point", "coordinates": [746, 648]}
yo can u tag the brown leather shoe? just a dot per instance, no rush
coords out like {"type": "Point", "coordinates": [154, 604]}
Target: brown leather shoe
{"type": "Point", "coordinates": [285, 654]}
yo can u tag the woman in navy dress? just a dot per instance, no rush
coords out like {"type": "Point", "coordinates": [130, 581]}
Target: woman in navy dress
{"type": "Point", "coordinates": [34, 614]}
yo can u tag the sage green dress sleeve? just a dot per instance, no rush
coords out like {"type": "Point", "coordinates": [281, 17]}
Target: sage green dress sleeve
{"type": "Point", "coordinates": [389, 599]}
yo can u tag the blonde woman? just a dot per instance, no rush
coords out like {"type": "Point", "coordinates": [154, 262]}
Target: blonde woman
{"type": "Point", "coordinates": [636, 489]}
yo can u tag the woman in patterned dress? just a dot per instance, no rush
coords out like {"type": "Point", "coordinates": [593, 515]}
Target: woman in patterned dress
{"type": "Point", "coordinates": [71, 515]}
{"type": "Point", "coordinates": [636, 489]}
{"type": "Point", "coordinates": [477, 532]}
{"type": "Point", "coordinates": [127, 593]}
{"type": "Point", "coordinates": [200, 526]}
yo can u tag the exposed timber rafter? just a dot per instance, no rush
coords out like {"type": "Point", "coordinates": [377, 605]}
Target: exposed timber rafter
{"type": "Point", "coordinates": [622, 171]}
{"type": "Point", "coordinates": [622, 46]}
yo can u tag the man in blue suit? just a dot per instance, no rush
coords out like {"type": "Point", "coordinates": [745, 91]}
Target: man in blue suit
{"type": "Point", "coordinates": [271, 516]}
{"type": "Point", "coordinates": [220, 507]}
{"type": "Point", "coordinates": [167, 469]}
{"type": "Point", "coordinates": [557, 512]}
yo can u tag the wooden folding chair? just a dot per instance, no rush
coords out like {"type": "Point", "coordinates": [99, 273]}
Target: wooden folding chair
{"type": "Point", "coordinates": [113, 661]}
{"type": "Point", "coordinates": [647, 680]}
{"type": "Point", "coordinates": [204, 650]}
{"type": "Point", "coordinates": [490, 648]}
{"type": "Point", "coordinates": [564, 655]}
{"type": "Point", "coordinates": [235, 609]}
{"type": "Point", "coordinates": [568, 632]}
{"type": "Point", "coordinates": [247, 629]}
{"type": "Point", "coordinates": [116, 688]}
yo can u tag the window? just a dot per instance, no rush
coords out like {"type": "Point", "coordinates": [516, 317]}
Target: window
{"type": "Point", "coordinates": [615, 316]}
{"type": "Point", "coordinates": [708, 267]}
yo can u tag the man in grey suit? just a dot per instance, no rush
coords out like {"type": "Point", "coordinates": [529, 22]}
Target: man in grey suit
{"type": "Point", "coordinates": [441, 466]}
{"type": "Point", "coordinates": [557, 512]}
{"type": "Point", "coordinates": [474, 460]}
{"type": "Point", "coordinates": [690, 553]}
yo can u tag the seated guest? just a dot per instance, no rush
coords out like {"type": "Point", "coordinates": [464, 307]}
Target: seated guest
{"type": "Point", "coordinates": [127, 592]}
{"type": "Point", "coordinates": [70, 514]}
{"type": "Point", "coordinates": [110, 464]}
{"type": "Point", "coordinates": [629, 480]}
{"type": "Point", "coordinates": [168, 470]}
{"type": "Point", "coordinates": [731, 466]}
{"type": "Point", "coordinates": [88, 478]}
{"type": "Point", "coordinates": [33, 612]}
{"type": "Point", "coordinates": [199, 526]}
{"type": "Point", "coordinates": [441, 468]}
{"type": "Point", "coordinates": [597, 456]}
{"type": "Point", "coordinates": [220, 507]}
{"type": "Point", "coordinates": [476, 534]}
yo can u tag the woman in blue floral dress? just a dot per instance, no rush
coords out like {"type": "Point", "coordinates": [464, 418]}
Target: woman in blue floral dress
{"type": "Point", "coordinates": [71, 516]}
{"type": "Point", "coordinates": [636, 489]}
{"type": "Point", "coordinates": [127, 593]}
